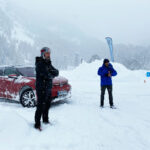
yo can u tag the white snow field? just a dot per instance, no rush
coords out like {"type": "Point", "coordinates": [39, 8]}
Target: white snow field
{"type": "Point", "coordinates": [81, 124]}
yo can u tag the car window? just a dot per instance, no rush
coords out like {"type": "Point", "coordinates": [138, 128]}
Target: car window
{"type": "Point", "coordinates": [27, 71]}
{"type": "Point", "coordinates": [9, 71]}
{"type": "Point", "coordinates": [1, 72]}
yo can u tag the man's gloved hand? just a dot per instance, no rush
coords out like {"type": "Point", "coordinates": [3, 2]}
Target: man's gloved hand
{"type": "Point", "coordinates": [108, 74]}
{"type": "Point", "coordinates": [54, 73]}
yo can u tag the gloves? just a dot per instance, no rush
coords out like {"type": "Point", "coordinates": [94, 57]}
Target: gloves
{"type": "Point", "coordinates": [108, 74]}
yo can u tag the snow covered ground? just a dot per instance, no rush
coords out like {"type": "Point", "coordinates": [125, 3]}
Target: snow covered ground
{"type": "Point", "coordinates": [81, 124]}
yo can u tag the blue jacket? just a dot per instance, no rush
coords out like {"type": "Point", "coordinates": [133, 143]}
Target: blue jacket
{"type": "Point", "coordinates": [103, 72]}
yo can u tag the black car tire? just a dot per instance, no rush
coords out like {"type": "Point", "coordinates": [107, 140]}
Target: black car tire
{"type": "Point", "coordinates": [28, 99]}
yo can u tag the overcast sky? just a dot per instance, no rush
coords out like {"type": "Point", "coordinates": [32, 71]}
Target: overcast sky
{"type": "Point", "coordinates": [126, 21]}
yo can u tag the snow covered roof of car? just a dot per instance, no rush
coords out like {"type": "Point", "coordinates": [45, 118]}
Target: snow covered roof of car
{"type": "Point", "coordinates": [16, 66]}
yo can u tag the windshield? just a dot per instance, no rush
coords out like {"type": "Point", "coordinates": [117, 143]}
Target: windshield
{"type": "Point", "coordinates": [27, 71]}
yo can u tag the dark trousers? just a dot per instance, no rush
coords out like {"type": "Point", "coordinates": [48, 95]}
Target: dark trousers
{"type": "Point", "coordinates": [109, 89]}
{"type": "Point", "coordinates": [43, 105]}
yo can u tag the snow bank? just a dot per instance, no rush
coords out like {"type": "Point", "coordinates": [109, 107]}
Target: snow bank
{"type": "Point", "coordinates": [88, 71]}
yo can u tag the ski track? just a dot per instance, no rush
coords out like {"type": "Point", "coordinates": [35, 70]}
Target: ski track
{"type": "Point", "coordinates": [81, 124]}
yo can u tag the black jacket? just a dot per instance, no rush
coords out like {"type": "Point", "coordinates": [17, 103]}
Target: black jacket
{"type": "Point", "coordinates": [45, 72]}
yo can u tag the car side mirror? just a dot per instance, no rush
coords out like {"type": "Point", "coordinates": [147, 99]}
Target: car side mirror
{"type": "Point", "coordinates": [14, 76]}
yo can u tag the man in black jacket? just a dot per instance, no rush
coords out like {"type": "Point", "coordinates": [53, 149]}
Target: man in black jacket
{"type": "Point", "coordinates": [45, 73]}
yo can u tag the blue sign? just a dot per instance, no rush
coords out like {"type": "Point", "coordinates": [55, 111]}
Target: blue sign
{"type": "Point", "coordinates": [110, 44]}
{"type": "Point", "coordinates": [148, 74]}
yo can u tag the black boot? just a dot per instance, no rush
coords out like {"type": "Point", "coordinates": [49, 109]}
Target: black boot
{"type": "Point", "coordinates": [38, 127]}
{"type": "Point", "coordinates": [101, 106]}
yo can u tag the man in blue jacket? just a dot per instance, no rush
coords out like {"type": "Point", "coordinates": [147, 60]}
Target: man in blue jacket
{"type": "Point", "coordinates": [106, 72]}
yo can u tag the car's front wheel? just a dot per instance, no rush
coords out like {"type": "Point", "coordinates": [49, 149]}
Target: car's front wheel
{"type": "Point", "coordinates": [28, 98]}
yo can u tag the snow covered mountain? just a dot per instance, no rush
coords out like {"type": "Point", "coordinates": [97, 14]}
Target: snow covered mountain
{"type": "Point", "coordinates": [81, 124]}
{"type": "Point", "coordinates": [23, 33]}
{"type": "Point", "coordinates": [14, 38]}
{"type": "Point", "coordinates": [22, 39]}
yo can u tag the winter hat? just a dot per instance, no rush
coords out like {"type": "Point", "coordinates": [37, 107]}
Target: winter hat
{"type": "Point", "coordinates": [106, 61]}
{"type": "Point", "coordinates": [44, 50]}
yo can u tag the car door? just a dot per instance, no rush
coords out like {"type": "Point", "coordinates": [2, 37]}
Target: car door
{"type": "Point", "coordinates": [8, 82]}
{"type": "Point", "coordinates": [1, 83]}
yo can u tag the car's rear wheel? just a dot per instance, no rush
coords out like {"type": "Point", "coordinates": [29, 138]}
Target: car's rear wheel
{"type": "Point", "coordinates": [28, 98]}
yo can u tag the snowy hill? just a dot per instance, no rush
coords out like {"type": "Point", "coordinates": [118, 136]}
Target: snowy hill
{"type": "Point", "coordinates": [81, 124]}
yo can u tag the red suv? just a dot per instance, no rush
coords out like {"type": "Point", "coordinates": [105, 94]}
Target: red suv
{"type": "Point", "coordinates": [18, 83]}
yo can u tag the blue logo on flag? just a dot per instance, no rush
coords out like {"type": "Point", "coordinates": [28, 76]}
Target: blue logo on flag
{"type": "Point", "coordinates": [148, 74]}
